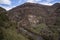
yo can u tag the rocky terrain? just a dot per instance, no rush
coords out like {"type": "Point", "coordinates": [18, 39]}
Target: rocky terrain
{"type": "Point", "coordinates": [30, 21]}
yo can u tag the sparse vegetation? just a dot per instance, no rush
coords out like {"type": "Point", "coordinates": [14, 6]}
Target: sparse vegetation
{"type": "Point", "coordinates": [17, 25]}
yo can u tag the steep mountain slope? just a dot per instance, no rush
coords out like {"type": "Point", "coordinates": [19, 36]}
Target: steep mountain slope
{"type": "Point", "coordinates": [1, 23]}
{"type": "Point", "coordinates": [36, 19]}
{"type": "Point", "coordinates": [27, 10]}
{"type": "Point", "coordinates": [7, 28]}
{"type": "Point", "coordinates": [33, 22]}
{"type": "Point", "coordinates": [2, 10]}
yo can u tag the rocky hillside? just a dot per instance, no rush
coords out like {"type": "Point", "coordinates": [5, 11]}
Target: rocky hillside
{"type": "Point", "coordinates": [35, 21]}
{"type": "Point", "coordinates": [28, 10]}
